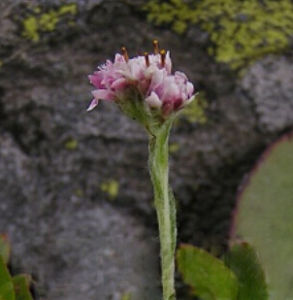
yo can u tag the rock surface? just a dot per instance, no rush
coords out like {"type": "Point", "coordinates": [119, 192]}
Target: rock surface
{"type": "Point", "coordinates": [269, 85]}
{"type": "Point", "coordinates": [68, 228]}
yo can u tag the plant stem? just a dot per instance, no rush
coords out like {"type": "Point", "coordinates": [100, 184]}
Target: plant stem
{"type": "Point", "coordinates": [164, 203]}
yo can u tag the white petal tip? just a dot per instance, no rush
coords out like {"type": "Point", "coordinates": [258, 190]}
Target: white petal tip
{"type": "Point", "coordinates": [93, 104]}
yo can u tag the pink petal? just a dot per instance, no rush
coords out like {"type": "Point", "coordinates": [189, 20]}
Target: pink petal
{"type": "Point", "coordinates": [180, 77]}
{"type": "Point", "coordinates": [186, 102]}
{"type": "Point", "coordinates": [168, 63]}
{"type": "Point", "coordinates": [153, 100]}
{"type": "Point", "coordinates": [119, 58]}
{"type": "Point", "coordinates": [189, 88]}
{"type": "Point", "coordinates": [109, 63]}
{"type": "Point", "coordinates": [96, 80]}
{"type": "Point", "coordinates": [103, 94]}
{"type": "Point", "coordinates": [137, 67]}
{"type": "Point", "coordinates": [119, 84]}
{"type": "Point", "coordinates": [93, 104]}
{"type": "Point", "coordinates": [171, 90]}
{"type": "Point", "coordinates": [157, 81]}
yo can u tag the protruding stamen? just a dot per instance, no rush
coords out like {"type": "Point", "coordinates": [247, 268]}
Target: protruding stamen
{"type": "Point", "coordinates": [124, 53]}
{"type": "Point", "coordinates": [156, 46]}
{"type": "Point", "coordinates": [163, 57]}
{"type": "Point", "coordinates": [147, 59]}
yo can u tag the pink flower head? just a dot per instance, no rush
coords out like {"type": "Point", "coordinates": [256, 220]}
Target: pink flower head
{"type": "Point", "coordinates": [148, 75]}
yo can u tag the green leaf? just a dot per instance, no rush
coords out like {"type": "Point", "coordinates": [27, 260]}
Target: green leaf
{"type": "Point", "coordinates": [21, 287]}
{"type": "Point", "coordinates": [6, 285]}
{"type": "Point", "coordinates": [4, 248]}
{"type": "Point", "coordinates": [243, 261]}
{"type": "Point", "coordinates": [264, 216]}
{"type": "Point", "coordinates": [207, 275]}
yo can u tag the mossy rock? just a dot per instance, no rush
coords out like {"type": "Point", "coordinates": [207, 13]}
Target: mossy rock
{"type": "Point", "coordinates": [240, 31]}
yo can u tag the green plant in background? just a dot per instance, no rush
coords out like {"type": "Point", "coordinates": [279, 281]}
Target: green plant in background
{"type": "Point", "coordinates": [46, 21]}
{"type": "Point", "coordinates": [243, 261]}
{"type": "Point", "coordinates": [240, 31]}
{"type": "Point", "coordinates": [238, 276]}
{"type": "Point", "coordinates": [264, 216]}
{"type": "Point", "coordinates": [16, 287]}
{"type": "Point", "coordinates": [208, 276]}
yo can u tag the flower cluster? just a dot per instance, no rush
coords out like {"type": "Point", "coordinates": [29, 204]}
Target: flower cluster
{"type": "Point", "coordinates": [149, 75]}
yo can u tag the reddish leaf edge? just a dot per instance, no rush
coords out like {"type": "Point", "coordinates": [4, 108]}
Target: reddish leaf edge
{"type": "Point", "coordinates": [287, 137]}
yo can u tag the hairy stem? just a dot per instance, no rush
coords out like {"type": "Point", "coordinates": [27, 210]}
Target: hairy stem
{"type": "Point", "coordinates": [164, 203]}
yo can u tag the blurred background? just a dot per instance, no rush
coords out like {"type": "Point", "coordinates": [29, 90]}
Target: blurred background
{"type": "Point", "coordinates": [75, 194]}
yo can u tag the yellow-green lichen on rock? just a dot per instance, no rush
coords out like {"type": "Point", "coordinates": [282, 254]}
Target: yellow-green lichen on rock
{"type": "Point", "coordinates": [79, 193]}
{"type": "Point", "coordinates": [40, 21]}
{"type": "Point", "coordinates": [126, 296]}
{"type": "Point", "coordinates": [241, 31]}
{"type": "Point", "coordinates": [30, 31]}
{"type": "Point", "coordinates": [71, 144]}
{"type": "Point", "coordinates": [111, 187]}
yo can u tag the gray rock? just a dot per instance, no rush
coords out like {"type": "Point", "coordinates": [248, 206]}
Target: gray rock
{"type": "Point", "coordinates": [269, 84]}
{"type": "Point", "coordinates": [72, 247]}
